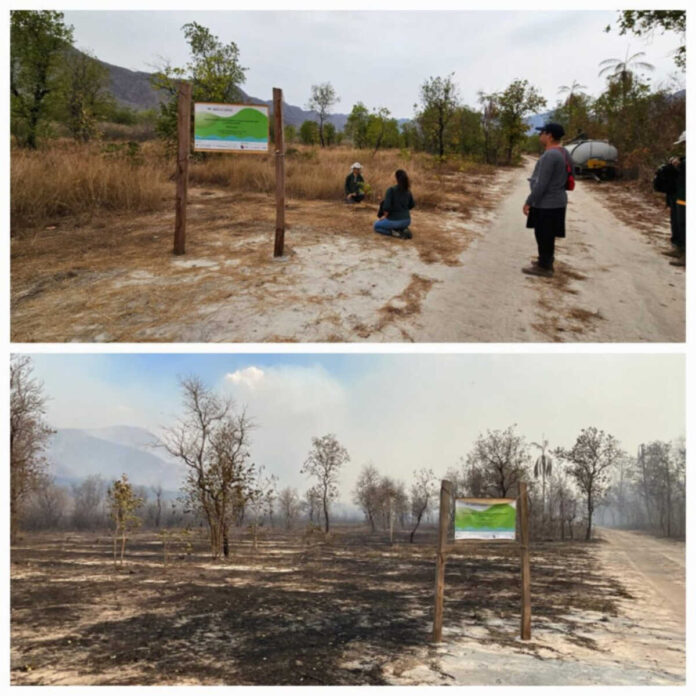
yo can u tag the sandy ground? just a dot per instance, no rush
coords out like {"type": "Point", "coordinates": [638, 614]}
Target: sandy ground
{"type": "Point", "coordinates": [348, 610]}
{"type": "Point", "coordinates": [458, 280]}
{"type": "Point", "coordinates": [643, 644]}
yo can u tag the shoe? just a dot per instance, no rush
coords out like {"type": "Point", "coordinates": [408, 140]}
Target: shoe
{"type": "Point", "coordinates": [678, 262]}
{"type": "Point", "coordinates": [406, 233]}
{"type": "Point", "coordinates": [396, 233]}
{"type": "Point", "coordinates": [538, 271]}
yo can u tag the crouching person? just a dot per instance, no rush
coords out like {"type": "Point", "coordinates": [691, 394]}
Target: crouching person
{"type": "Point", "coordinates": [396, 208]}
{"type": "Point", "coordinates": [355, 184]}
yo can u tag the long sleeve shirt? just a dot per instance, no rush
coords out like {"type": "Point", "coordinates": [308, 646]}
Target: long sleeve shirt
{"type": "Point", "coordinates": [548, 181]}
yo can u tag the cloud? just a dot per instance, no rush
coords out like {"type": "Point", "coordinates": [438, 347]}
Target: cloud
{"type": "Point", "coordinates": [249, 376]}
{"type": "Point", "coordinates": [286, 390]}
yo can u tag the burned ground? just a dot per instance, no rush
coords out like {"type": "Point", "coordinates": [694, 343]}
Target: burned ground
{"type": "Point", "coordinates": [350, 610]}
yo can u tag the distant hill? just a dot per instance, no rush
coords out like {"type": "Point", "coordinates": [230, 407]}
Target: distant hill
{"type": "Point", "coordinates": [74, 454]}
{"type": "Point", "coordinates": [133, 89]}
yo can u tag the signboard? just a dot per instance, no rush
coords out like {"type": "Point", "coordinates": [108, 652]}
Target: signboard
{"type": "Point", "coordinates": [485, 518]}
{"type": "Point", "coordinates": [230, 127]}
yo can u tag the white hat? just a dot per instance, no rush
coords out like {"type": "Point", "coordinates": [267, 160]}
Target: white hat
{"type": "Point", "coordinates": [682, 138]}
{"type": "Point", "coordinates": [356, 165]}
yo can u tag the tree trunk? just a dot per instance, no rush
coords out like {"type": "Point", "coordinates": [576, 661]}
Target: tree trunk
{"type": "Point", "coordinates": [590, 510]}
{"type": "Point", "coordinates": [326, 516]}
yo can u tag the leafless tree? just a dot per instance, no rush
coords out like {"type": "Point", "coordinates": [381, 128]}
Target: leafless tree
{"type": "Point", "coordinates": [659, 477]}
{"type": "Point", "coordinates": [590, 462]}
{"type": "Point", "coordinates": [289, 504]}
{"type": "Point", "coordinates": [422, 491]}
{"type": "Point", "coordinates": [47, 506]}
{"type": "Point", "coordinates": [213, 443]}
{"type": "Point", "coordinates": [88, 498]}
{"type": "Point", "coordinates": [324, 461]}
{"type": "Point", "coordinates": [366, 494]}
{"type": "Point", "coordinates": [497, 463]}
{"type": "Point", "coordinates": [312, 504]}
{"type": "Point", "coordinates": [29, 436]}
{"type": "Point", "coordinates": [157, 491]}
{"type": "Point", "coordinates": [261, 500]}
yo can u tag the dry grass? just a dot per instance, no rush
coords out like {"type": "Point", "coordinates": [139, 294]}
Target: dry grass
{"type": "Point", "coordinates": [66, 179]}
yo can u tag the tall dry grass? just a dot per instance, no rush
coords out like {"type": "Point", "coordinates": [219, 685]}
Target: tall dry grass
{"type": "Point", "coordinates": [320, 174]}
{"type": "Point", "coordinates": [74, 180]}
{"type": "Point", "coordinates": [68, 179]}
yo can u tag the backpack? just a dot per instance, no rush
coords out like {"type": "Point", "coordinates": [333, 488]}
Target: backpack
{"type": "Point", "coordinates": [665, 179]}
{"type": "Point", "coordinates": [570, 179]}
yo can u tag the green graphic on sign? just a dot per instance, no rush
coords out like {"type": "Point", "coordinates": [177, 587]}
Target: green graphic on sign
{"type": "Point", "coordinates": [480, 518]}
{"type": "Point", "coordinates": [231, 127]}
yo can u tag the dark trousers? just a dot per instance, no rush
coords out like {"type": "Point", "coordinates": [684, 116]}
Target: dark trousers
{"type": "Point", "coordinates": [546, 243]}
{"type": "Point", "coordinates": [548, 223]}
{"type": "Point", "coordinates": [357, 197]}
{"type": "Point", "coordinates": [678, 224]}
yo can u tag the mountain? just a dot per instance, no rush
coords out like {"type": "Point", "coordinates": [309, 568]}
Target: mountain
{"type": "Point", "coordinates": [537, 120]}
{"type": "Point", "coordinates": [133, 89]}
{"type": "Point", "coordinates": [74, 454]}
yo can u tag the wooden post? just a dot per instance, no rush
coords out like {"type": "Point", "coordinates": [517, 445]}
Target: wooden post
{"type": "Point", "coordinates": [280, 171]}
{"type": "Point", "coordinates": [445, 498]}
{"type": "Point", "coordinates": [182, 162]}
{"type": "Point", "coordinates": [391, 523]}
{"type": "Point", "coordinates": [526, 619]}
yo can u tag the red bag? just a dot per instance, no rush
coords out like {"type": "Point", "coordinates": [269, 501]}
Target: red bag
{"type": "Point", "coordinates": [570, 180]}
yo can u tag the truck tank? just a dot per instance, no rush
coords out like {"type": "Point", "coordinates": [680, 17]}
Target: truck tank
{"type": "Point", "coordinates": [593, 157]}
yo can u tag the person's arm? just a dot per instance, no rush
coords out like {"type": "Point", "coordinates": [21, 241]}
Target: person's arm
{"type": "Point", "coordinates": [541, 179]}
{"type": "Point", "coordinates": [411, 202]}
{"type": "Point", "coordinates": [347, 187]}
{"type": "Point", "coordinates": [388, 202]}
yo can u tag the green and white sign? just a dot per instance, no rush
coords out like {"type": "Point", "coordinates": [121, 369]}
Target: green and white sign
{"type": "Point", "coordinates": [485, 518]}
{"type": "Point", "coordinates": [230, 127]}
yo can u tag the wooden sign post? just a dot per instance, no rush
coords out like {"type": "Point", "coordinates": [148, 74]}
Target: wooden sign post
{"type": "Point", "coordinates": [280, 171]}
{"type": "Point", "coordinates": [445, 498]}
{"type": "Point", "coordinates": [526, 619]}
{"type": "Point", "coordinates": [499, 528]}
{"type": "Point", "coordinates": [182, 162]}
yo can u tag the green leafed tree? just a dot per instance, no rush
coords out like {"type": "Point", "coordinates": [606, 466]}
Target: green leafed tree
{"type": "Point", "coordinates": [356, 125]}
{"type": "Point", "coordinates": [321, 101]}
{"type": "Point", "coordinates": [123, 504]}
{"type": "Point", "coordinates": [382, 131]}
{"type": "Point", "coordinates": [309, 133]}
{"type": "Point", "coordinates": [290, 133]}
{"type": "Point", "coordinates": [38, 40]}
{"type": "Point", "coordinates": [439, 99]}
{"type": "Point", "coordinates": [214, 71]}
{"type": "Point", "coordinates": [515, 103]}
{"type": "Point", "coordinates": [84, 95]}
{"type": "Point", "coordinates": [646, 22]}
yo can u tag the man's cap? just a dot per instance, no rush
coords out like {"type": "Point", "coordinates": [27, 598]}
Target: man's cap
{"type": "Point", "coordinates": [356, 165]}
{"type": "Point", "coordinates": [682, 138]}
{"type": "Point", "coordinates": [556, 130]}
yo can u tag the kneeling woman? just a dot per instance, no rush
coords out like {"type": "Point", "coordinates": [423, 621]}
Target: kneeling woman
{"type": "Point", "coordinates": [398, 202]}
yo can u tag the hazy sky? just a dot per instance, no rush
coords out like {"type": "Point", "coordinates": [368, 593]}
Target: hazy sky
{"type": "Point", "coordinates": [381, 58]}
{"type": "Point", "coordinates": [400, 412]}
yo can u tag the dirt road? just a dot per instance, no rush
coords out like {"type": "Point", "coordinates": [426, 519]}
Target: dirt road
{"type": "Point", "coordinates": [612, 281]}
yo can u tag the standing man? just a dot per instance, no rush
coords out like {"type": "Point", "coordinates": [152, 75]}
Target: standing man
{"type": "Point", "coordinates": [354, 184]}
{"type": "Point", "coordinates": [546, 204]}
{"type": "Point", "coordinates": [677, 206]}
